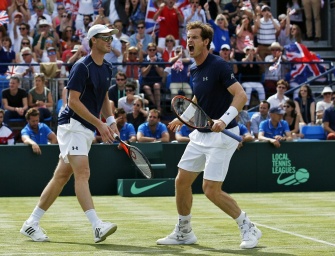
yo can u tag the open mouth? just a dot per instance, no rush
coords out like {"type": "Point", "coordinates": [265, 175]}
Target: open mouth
{"type": "Point", "coordinates": [191, 48]}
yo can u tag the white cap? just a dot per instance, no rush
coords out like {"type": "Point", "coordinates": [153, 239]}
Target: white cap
{"type": "Point", "coordinates": [76, 48]}
{"type": "Point", "coordinates": [225, 46]}
{"type": "Point", "coordinates": [43, 22]}
{"type": "Point", "coordinates": [100, 29]}
{"type": "Point", "coordinates": [248, 47]}
{"type": "Point", "coordinates": [327, 89]}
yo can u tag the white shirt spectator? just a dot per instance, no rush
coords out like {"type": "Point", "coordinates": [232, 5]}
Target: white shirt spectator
{"type": "Point", "coordinates": [275, 101]}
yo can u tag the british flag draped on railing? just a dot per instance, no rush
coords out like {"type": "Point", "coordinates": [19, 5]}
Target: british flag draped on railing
{"type": "Point", "coordinates": [10, 71]}
{"type": "Point", "coordinates": [3, 18]}
{"type": "Point", "coordinates": [300, 72]}
{"type": "Point", "coordinates": [150, 24]}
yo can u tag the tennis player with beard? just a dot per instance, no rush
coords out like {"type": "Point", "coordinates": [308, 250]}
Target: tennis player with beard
{"type": "Point", "coordinates": [221, 96]}
{"type": "Point", "coordinates": [88, 84]}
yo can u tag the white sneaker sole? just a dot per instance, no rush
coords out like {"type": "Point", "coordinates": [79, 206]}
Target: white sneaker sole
{"type": "Point", "coordinates": [171, 241]}
{"type": "Point", "coordinates": [31, 237]}
{"type": "Point", "coordinates": [112, 229]}
{"type": "Point", "coordinates": [253, 245]}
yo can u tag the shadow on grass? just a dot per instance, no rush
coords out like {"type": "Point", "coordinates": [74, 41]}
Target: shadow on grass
{"type": "Point", "coordinates": [189, 250]}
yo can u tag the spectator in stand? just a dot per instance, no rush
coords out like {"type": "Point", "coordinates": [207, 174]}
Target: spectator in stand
{"type": "Point", "coordinates": [293, 32]}
{"type": "Point", "coordinates": [153, 130]}
{"type": "Point", "coordinates": [258, 117]}
{"type": "Point", "coordinates": [251, 74]}
{"type": "Point", "coordinates": [244, 133]}
{"type": "Point", "coordinates": [117, 91]}
{"type": "Point", "coordinates": [39, 97]}
{"type": "Point", "coordinates": [322, 105]}
{"type": "Point", "coordinates": [44, 34]}
{"type": "Point", "coordinates": [292, 118]}
{"type": "Point", "coordinates": [152, 76]}
{"type": "Point", "coordinates": [84, 8]}
{"type": "Point", "coordinates": [226, 54]}
{"type": "Point", "coordinates": [6, 135]}
{"type": "Point", "coordinates": [328, 121]}
{"type": "Point", "coordinates": [67, 54]}
{"type": "Point", "coordinates": [275, 70]}
{"type": "Point", "coordinates": [49, 43]}
{"type": "Point", "coordinates": [133, 55]}
{"type": "Point", "coordinates": [267, 28]}
{"type": "Point", "coordinates": [22, 35]}
{"type": "Point", "coordinates": [119, 26]}
{"type": "Point", "coordinates": [101, 18]}
{"type": "Point", "coordinates": [66, 21]}
{"type": "Point", "coordinates": [168, 51]}
{"type": "Point", "coordinates": [14, 30]}
{"type": "Point", "coordinates": [127, 130]}
{"type": "Point", "coordinates": [182, 135]}
{"type": "Point", "coordinates": [127, 101]}
{"type": "Point", "coordinates": [275, 129]}
{"type": "Point", "coordinates": [220, 27]}
{"type": "Point", "coordinates": [39, 13]}
{"type": "Point", "coordinates": [296, 16]}
{"type": "Point", "coordinates": [14, 100]}
{"type": "Point", "coordinates": [141, 39]}
{"type": "Point", "coordinates": [112, 56]}
{"type": "Point", "coordinates": [66, 39]}
{"type": "Point", "coordinates": [232, 7]}
{"type": "Point", "coordinates": [138, 115]}
{"type": "Point", "coordinates": [305, 105]}
{"type": "Point", "coordinates": [279, 99]}
{"type": "Point", "coordinates": [170, 17]}
{"type": "Point", "coordinates": [284, 32]}
{"type": "Point", "coordinates": [18, 6]}
{"type": "Point", "coordinates": [312, 10]}
{"type": "Point", "coordinates": [24, 43]}
{"type": "Point", "coordinates": [245, 36]}
{"type": "Point", "coordinates": [36, 133]}
{"type": "Point", "coordinates": [77, 52]}
{"type": "Point", "coordinates": [56, 21]}
{"type": "Point", "coordinates": [6, 54]}
{"type": "Point", "coordinates": [179, 73]}
{"type": "Point", "coordinates": [135, 10]}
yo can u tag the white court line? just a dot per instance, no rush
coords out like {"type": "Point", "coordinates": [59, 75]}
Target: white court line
{"type": "Point", "coordinates": [295, 234]}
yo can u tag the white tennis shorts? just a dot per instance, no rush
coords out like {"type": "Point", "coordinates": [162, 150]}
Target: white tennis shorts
{"type": "Point", "coordinates": [210, 153]}
{"type": "Point", "coordinates": [74, 139]}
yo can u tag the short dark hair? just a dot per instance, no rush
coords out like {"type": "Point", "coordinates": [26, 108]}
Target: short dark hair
{"type": "Point", "coordinates": [206, 31]}
{"type": "Point", "coordinates": [118, 112]}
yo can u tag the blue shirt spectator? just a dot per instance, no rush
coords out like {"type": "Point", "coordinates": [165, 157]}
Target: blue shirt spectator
{"type": "Point", "coordinates": [40, 137]}
{"type": "Point", "coordinates": [145, 130]}
{"type": "Point", "coordinates": [270, 131]}
{"type": "Point", "coordinates": [127, 131]}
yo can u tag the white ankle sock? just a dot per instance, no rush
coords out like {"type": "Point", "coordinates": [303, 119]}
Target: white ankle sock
{"type": "Point", "coordinates": [184, 223]}
{"type": "Point", "coordinates": [36, 215]}
{"type": "Point", "coordinates": [92, 217]}
{"type": "Point", "coordinates": [242, 219]}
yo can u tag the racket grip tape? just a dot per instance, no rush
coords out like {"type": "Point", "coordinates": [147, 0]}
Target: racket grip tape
{"type": "Point", "coordinates": [232, 135]}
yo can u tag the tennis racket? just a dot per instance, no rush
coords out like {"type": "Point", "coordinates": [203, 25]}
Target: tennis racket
{"type": "Point", "coordinates": [138, 158]}
{"type": "Point", "coordinates": [198, 119]}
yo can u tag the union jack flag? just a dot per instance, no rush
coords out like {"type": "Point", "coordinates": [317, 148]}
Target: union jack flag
{"type": "Point", "coordinates": [247, 4]}
{"type": "Point", "coordinates": [3, 18]}
{"type": "Point", "coordinates": [10, 72]}
{"type": "Point", "coordinates": [152, 8]}
{"type": "Point", "coordinates": [300, 72]}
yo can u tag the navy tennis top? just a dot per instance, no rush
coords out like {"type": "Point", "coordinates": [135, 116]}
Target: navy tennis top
{"type": "Point", "coordinates": [211, 80]}
{"type": "Point", "coordinates": [92, 81]}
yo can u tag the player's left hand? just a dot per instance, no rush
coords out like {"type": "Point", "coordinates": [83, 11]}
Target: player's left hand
{"type": "Point", "coordinates": [218, 126]}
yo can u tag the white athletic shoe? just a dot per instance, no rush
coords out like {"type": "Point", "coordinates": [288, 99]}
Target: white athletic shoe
{"type": "Point", "coordinates": [102, 230]}
{"type": "Point", "coordinates": [178, 237]}
{"type": "Point", "coordinates": [34, 231]}
{"type": "Point", "coordinates": [250, 236]}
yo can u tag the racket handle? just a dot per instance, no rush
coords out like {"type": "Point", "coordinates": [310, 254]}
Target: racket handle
{"type": "Point", "coordinates": [232, 135]}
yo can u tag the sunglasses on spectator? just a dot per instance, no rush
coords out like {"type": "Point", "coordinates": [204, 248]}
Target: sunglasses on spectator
{"type": "Point", "coordinates": [133, 53]}
{"type": "Point", "coordinates": [105, 38]}
{"type": "Point", "coordinates": [89, 20]}
{"type": "Point", "coordinates": [120, 79]}
{"type": "Point", "coordinates": [138, 105]}
{"type": "Point", "coordinates": [129, 90]}
{"type": "Point", "coordinates": [22, 28]}
{"type": "Point", "coordinates": [151, 50]}
{"type": "Point", "coordinates": [40, 7]}
{"type": "Point", "coordinates": [224, 49]}
{"type": "Point", "coordinates": [68, 30]}
{"type": "Point", "coordinates": [48, 41]}
{"type": "Point", "coordinates": [140, 27]}
{"type": "Point", "coordinates": [25, 43]}
{"type": "Point", "coordinates": [221, 19]}
{"type": "Point", "coordinates": [169, 40]}
{"type": "Point", "coordinates": [25, 54]}
{"type": "Point", "coordinates": [60, 8]}
{"type": "Point", "coordinates": [43, 26]}
{"type": "Point", "coordinates": [154, 117]}
{"type": "Point", "coordinates": [64, 16]}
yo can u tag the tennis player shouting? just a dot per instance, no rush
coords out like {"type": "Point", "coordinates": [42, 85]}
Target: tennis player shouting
{"type": "Point", "coordinates": [220, 95]}
{"type": "Point", "coordinates": [88, 84]}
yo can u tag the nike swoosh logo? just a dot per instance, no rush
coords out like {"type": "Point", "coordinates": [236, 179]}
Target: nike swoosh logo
{"type": "Point", "coordinates": [135, 191]}
{"type": "Point", "coordinates": [285, 180]}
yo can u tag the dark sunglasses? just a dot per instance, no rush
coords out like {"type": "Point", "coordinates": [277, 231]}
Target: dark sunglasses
{"type": "Point", "coordinates": [105, 38]}
{"type": "Point", "coordinates": [220, 19]}
{"type": "Point", "coordinates": [140, 27]}
{"type": "Point", "coordinates": [151, 50]}
{"type": "Point", "coordinates": [25, 54]}
{"type": "Point", "coordinates": [23, 28]}
{"type": "Point", "coordinates": [60, 8]}
{"type": "Point", "coordinates": [25, 43]}
{"type": "Point", "coordinates": [168, 40]}
{"type": "Point", "coordinates": [133, 53]}
{"type": "Point", "coordinates": [120, 79]}
{"type": "Point", "coordinates": [39, 7]}
{"type": "Point", "coordinates": [129, 90]}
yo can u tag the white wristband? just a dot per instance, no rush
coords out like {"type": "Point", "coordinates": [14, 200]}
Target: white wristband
{"type": "Point", "coordinates": [229, 115]}
{"type": "Point", "coordinates": [110, 120]}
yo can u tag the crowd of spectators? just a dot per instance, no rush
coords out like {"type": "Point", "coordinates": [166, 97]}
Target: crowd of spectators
{"type": "Point", "coordinates": [50, 36]}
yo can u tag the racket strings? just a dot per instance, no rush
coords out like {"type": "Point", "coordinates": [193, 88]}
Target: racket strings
{"type": "Point", "coordinates": [141, 162]}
